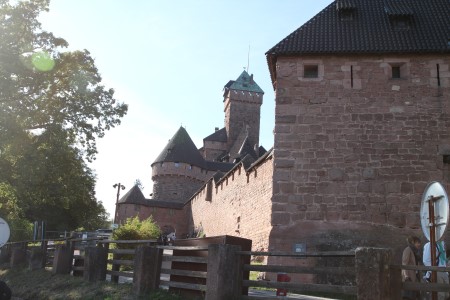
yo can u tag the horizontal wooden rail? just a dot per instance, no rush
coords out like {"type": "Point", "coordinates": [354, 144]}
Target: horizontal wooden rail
{"type": "Point", "coordinates": [120, 273]}
{"type": "Point", "coordinates": [198, 274]}
{"type": "Point", "coordinates": [302, 270]}
{"type": "Point", "coordinates": [244, 297]}
{"type": "Point", "coordinates": [303, 287]}
{"type": "Point", "coordinates": [124, 262]}
{"type": "Point", "coordinates": [421, 268]}
{"type": "Point", "coordinates": [122, 251]}
{"type": "Point", "coordinates": [428, 287]}
{"type": "Point", "coordinates": [191, 259]}
{"type": "Point", "coordinates": [310, 254]}
{"type": "Point", "coordinates": [80, 268]}
{"type": "Point", "coordinates": [187, 248]}
{"type": "Point", "coordinates": [182, 285]}
{"type": "Point", "coordinates": [128, 241]}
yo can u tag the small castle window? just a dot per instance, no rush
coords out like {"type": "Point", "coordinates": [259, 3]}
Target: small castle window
{"type": "Point", "coordinates": [311, 71]}
{"type": "Point", "coordinates": [446, 158]}
{"type": "Point", "coordinates": [346, 14]}
{"type": "Point", "coordinates": [401, 23]}
{"type": "Point", "coordinates": [395, 72]}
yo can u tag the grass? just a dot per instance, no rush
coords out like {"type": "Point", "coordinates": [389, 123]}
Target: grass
{"type": "Point", "coordinates": [42, 284]}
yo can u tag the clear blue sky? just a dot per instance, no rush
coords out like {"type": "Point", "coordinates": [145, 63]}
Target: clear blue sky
{"type": "Point", "coordinates": [169, 61]}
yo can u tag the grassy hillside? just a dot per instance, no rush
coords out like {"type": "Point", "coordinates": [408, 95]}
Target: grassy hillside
{"type": "Point", "coordinates": [42, 284]}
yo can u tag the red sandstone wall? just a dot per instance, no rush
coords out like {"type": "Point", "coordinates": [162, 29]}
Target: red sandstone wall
{"type": "Point", "coordinates": [240, 206]}
{"type": "Point", "coordinates": [176, 218]}
{"type": "Point", "coordinates": [352, 159]}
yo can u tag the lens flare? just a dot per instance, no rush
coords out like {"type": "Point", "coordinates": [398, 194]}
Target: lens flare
{"type": "Point", "coordinates": [42, 61]}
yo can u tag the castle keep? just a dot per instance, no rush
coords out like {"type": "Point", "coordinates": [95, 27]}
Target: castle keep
{"type": "Point", "coordinates": [361, 127]}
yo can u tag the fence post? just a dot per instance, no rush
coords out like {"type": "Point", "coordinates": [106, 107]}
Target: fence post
{"type": "Point", "coordinates": [396, 283]}
{"type": "Point", "coordinates": [147, 269]}
{"type": "Point", "coordinates": [115, 267]}
{"type": "Point", "coordinates": [223, 279]}
{"type": "Point", "coordinates": [37, 259]}
{"type": "Point", "coordinates": [62, 263]}
{"type": "Point", "coordinates": [5, 253]}
{"type": "Point", "coordinates": [373, 273]}
{"type": "Point", "coordinates": [18, 257]}
{"type": "Point", "coordinates": [95, 263]}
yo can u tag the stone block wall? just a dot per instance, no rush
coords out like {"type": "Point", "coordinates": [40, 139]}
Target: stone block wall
{"type": "Point", "coordinates": [239, 205]}
{"type": "Point", "coordinates": [163, 216]}
{"type": "Point", "coordinates": [355, 148]}
{"type": "Point", "coordinates": [175, 187]}
{"type": "Point", "coordinates": [240, 106]}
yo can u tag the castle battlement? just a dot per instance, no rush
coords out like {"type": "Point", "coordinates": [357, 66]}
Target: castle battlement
{"type": "Point", "coordinates": [180, 169]}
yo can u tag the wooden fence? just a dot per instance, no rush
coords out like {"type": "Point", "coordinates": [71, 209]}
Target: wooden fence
{"type": "Point", "coordinates": [397, 285]}
{"type": "Point", "coordinates": [150, 267]}
{"type": "Point", "coordinates": [298, 286]}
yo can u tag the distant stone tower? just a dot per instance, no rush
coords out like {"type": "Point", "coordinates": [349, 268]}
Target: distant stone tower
{"type": "Point", "coordinates": [242, 99]}
{"type": "Point", "coordinates": [242, 106]}
{"type": "Point", "coordinates": [179, 170]}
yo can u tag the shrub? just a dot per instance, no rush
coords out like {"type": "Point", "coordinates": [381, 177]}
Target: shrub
{"type": "Point", "coordinates": [134, 229]}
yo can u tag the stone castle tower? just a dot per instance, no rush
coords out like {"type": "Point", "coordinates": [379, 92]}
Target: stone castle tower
{"type": "Point", "coordinates": [181, 169]}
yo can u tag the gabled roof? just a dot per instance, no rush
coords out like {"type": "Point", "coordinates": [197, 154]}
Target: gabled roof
{"type": "Point", "coordinates": [218, 136]}
{"type": "Point", "coordinates": [370, 29]}
{"type": "Point", "coordinates": [218, 166]}
{"type": "Point", "coordinates": [244, 82]}
{"type": "Point", "coordinates": [181, 149]}
{"type": "Point", "coordinates": [133, 196]}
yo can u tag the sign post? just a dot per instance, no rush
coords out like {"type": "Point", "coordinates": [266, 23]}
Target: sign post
{"type": "Point", "coordinates": [4, 232]}
{"type": "Point", "coordinates": [434, 213]}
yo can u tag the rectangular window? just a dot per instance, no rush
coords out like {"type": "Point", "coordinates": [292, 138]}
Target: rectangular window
{"type": "Point", "coordinates": [311, 71]}
{"type": "Point", "coordinates": [395, 71]}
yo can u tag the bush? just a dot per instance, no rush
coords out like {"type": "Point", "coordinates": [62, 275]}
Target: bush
{"type": "Point", "coordinates": [134, 229]}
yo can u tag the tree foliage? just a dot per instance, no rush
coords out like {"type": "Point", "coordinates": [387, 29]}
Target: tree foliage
{"type": "Point", "coordinates": [35, 95]}
{"type": "Point", "coordinates": [53, 107]}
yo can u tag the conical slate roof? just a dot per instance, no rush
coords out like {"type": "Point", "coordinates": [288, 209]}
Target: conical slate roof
{"type": "Point", "coordinates": [133, 196]}
{"type": "Point", "coordinates": [244, 82]}
{"type": "Point", "coordinates": [181, 149]}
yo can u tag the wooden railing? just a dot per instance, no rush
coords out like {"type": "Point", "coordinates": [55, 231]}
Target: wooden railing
{"type": "Point", "coordinates": [184, 279]}
{"type": "Point", "coordinates": [398, 285]}
{"type": "Point", "coordinates": [117, 261]}
{"type": "Point", "coordinates": [301, 287]}
{"type": "Point", "coordinates": [154, 266]}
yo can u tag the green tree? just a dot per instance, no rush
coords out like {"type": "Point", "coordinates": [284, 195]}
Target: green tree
{"type": "Point", "coordinates": [53, 107]}
{"type": "Point", "coordinates": [44, 87]}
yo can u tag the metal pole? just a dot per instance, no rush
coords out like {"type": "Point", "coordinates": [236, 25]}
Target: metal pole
{"type": "Point", "coordinates": [432, 243]}
{"type": "Point", "coordinates": [119, 186]}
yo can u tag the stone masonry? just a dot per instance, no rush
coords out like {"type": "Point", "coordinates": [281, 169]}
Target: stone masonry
{"type": "Point", "coordinates": [239, 204]}
{"type": "Point", "coordinates": [355, 148]}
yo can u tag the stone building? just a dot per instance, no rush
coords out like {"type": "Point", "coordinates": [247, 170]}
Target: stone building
{"type": "Point", "coordinates": [361, 127]}
{"type": "Point", "coordinates": [182, 169]}
{"type": "Point", "coordinates": [362, 122]}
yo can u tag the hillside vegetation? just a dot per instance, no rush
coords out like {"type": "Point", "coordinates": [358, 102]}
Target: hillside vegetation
{"type": "Point", "coordinates": [42, 284]}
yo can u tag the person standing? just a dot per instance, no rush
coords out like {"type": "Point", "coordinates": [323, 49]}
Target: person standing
{"type": "Point", "coordinates": [411, 257]}
{"type": "Point", "coordinates": [441, 261]}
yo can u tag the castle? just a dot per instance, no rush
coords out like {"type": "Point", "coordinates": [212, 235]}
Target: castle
{"type": "Point", "coordinates": [362, 124]}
